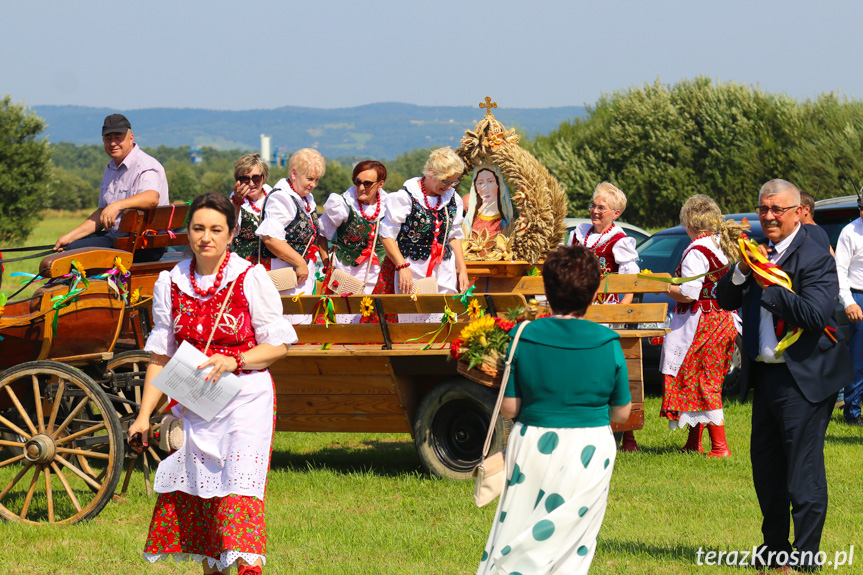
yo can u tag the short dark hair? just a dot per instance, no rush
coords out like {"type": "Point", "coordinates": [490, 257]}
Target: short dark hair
{"type": "Point", "coordinates": [216, 202]}
{"type": "Point", "coordinates": [571, 277]}
{"type": "Point", "coordinates": [807, 200]}
{"type": "Point", "coordinates": [378, 167]}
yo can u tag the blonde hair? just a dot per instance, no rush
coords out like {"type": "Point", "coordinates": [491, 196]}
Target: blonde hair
{"type": "Point", "coordinates": [701, 214]}
{"type": "Point", "coordinates": [616, 198]}
{"type": "Point", "coordinates": [308, 160]}
{"type": "Point", "coordinates": [443, 164]}
{"type": "Point", "coordinates": [247, 163]}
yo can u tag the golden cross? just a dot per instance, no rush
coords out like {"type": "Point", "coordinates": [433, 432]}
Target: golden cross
{"type": "Point", "coordinates": [488, 105]}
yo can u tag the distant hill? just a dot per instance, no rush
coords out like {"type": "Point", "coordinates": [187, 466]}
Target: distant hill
{"type": "Point", "coordinates": [382, 130]}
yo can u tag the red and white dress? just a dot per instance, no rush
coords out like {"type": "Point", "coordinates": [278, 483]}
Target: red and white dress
{"type": "Point", "coordinates": [614, 249]}
{"type": "Point", "coordinates": [697, 352]}
{"type": "Point", "coordinates": [211, 490]}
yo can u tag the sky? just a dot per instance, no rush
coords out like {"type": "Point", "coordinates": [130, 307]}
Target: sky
{"type": "Point", "coordinates": [339, 53]}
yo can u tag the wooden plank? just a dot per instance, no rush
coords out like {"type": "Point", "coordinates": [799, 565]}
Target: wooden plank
{"type": "Point", "coordinates": [371, 333]}
{"type": "Point", "coordinates": [627, 313]}
{"type": "Point", "coordinates": [88, 258]}
{"type": "Point", "coordinates": [344, 423]}
{"type": "Point", "coordinates": [402, 303]}
{"type": "Point", "coordinates": [345, 404]}
{"type": "Point", "coordinates": [636, 380]}
{"type": "Point", "coordinates": [533, 285]}
{"type": "Point", "coordinates": [335, 385]}
{"type": "Point", "coordinates": [631, 283]}
{"type": "Point", "coordinates": [131, 222]}
{"type": "Point", "coordinates": [161, 218]}
{"type": "Point", "coordinates": [631, 347]}
{"type": "Point", "coordinates": [527, 285]}
{"type": "Point", "coordinates": [329, 364]}
{"type": "Point", "coordinates": [635, 421]}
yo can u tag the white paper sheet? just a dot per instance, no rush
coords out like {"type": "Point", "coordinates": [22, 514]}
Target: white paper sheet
{"type": "Point", "coordinates": [182, 381]}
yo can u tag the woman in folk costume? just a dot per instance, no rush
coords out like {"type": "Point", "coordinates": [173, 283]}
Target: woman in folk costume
{"type": "Point", "coordinates": [351, 222]}
{"type": "Point", "coordinates": [421, 230]}
{"type": "Point", "coordinates": [210, 507]}
{"type": "Point", "coordinates": [290, 228]}
{"type": "Point", "coordinates": [615, 251]}
{"type": "Point", "coordinates": [488, 204]}
{"type": "Point", "coordinates": [250, 193]}
{"type": "Point", "coordinates": [697, 352]}
{"type": "Point", "coordinates": [561, 450]}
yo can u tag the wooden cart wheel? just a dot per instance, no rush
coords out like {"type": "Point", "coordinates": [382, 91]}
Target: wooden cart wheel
{"type": "Point", "coordinates": [70, 447]}
{"type": "Point", "coordinates": [135, 363]}
{"type": "Point", "coordinates": [451, 425]}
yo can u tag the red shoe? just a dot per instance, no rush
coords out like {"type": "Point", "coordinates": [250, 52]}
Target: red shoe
{"type": "Point", "coordinates": [693, 444]}
{"type": "Point", "coordinates": [249, 570]}
{"type": "Point", "coordinates": [719, 448]}
{"type": "Point", "coordinates": [628, 444]}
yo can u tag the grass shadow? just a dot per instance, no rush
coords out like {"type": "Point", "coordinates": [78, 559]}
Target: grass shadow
{"type": "Point", "coordinates": [379, 458]}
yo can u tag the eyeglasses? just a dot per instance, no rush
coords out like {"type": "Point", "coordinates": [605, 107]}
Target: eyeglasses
{"type": "Point", "coordinates": [775, 210]}
{"type": "Point", "coordinates": [358, 182]}
{"type": "Point", "coordinates": [257, 179]}
{"type": "Point", "coordinates": [600, 209]}
{"type": "Point", "coordinates": [450, 184]}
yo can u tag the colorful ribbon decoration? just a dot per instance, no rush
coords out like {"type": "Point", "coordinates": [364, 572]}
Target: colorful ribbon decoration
{"type": "Point", "coordinates": [435, 258]}
{"type": "Point", "coordinates": [325, 306]}
{"type": "Point", "coordinates": [447, 320]}
{"type": "Point", "coordinates": [365, 254]}
{"type": "Point", "coordinates": [770, 273]}
{"type": "Point", "coordinates": [468, 293]}
{"type": "Point", "coordinates": [678, 281]}
{"type": "Point", "coordinates": [534, 271]}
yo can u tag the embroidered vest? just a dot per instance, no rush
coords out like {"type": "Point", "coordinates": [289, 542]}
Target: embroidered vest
{"type": "Point", "coordinates": [300, 233]}
{"type": "Point", "coordinates": [707, 296]}
{"type": "Point", "coordinates": [607, 265]}
{"type": "Point", "coordinates": [193, 319]}
{"type": "Point", "coordinates": [417, 233]}
{"type": "Point", "coordinates": [353, 236]}
{"type": "Point", "coordinates": [245, 244]}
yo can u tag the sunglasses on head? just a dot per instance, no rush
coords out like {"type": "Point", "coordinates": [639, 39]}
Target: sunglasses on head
{"type": "Point", "coordinates": [358, 182]}
{"type": "Point", "coordinates": [257, 179]}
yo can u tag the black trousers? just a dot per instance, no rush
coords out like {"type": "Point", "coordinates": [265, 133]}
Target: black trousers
{"type": "Point", "coordinates": [101, 239]}
{"type": "Point", "coordinates": [787, 452]}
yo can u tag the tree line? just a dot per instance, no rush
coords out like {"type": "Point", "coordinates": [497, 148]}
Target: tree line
{"type": "Point", "coordinates": [659, 143]}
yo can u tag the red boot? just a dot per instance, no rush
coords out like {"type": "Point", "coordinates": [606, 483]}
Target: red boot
{"type": "Point", "coordinates": [628, 443]}
{"type": "Point", "coordinates": [694, 441]}
{"type": "Point", "coordinates": [718, 446]}
{"type": "Point", "coordinates": [249, 570]}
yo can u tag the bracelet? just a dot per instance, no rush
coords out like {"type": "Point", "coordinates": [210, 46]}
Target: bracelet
{"type": "Point", "coordinates": [241, 362]}
{"type": "Point", "coordinates": [236, 203]}
{"type": "Point", "coordinates": [403, 266]}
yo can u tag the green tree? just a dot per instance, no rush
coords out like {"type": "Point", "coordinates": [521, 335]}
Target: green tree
{"type": "Point", "coordinates": [182, 182]}
{"type": "Point", "coordinates": [25, 164]}
{"type": "Point", "coordinates": [69, 192]}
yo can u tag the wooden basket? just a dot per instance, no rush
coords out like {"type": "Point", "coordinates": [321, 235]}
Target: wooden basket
{"type": "Point", "coordinates": [481, 374]}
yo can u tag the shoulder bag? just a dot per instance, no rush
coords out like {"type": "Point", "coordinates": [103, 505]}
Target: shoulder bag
{"type": "Point", "coordinates": [491, 471]}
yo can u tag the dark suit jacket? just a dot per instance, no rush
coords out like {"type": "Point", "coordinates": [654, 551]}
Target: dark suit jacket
{"type": "Point", "coordinates": [819, 366]}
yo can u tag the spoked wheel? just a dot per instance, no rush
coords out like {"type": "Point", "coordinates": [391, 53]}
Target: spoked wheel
{"type": "Point", "coordinates": [129, 368]}
{"type": "Point", "coordinates": [66, 463]}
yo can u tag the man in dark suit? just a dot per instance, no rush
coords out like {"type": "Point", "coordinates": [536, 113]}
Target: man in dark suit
{"type": "Point", "coordinates": [794, 392]}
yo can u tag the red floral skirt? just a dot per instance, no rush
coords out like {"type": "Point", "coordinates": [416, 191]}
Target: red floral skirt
{"type": "Point", "coordinates": [698, 384]}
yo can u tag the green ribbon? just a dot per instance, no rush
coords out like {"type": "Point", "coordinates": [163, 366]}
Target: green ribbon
{"type": "Point", "coordinates": [463, 297]}
{"type": "Point", "coordinates": [534, 271]}
{"type": "Point", "coordinates": [329, 312]}
{"type": "Point", "coordinates": [678, 281]}
{"type": "Point", "coordinates": [449, 318]}
{"type": "Point", "coordinates": [62, 301]}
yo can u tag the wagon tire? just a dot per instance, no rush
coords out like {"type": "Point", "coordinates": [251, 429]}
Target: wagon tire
{"type": "Point", "coordinates": [72, 450]}
{"type": "Point", "coordinates": [451, 425]}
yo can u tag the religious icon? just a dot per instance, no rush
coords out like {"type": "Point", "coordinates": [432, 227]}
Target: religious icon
{"type": "Point", "coordinates": [489, 206]}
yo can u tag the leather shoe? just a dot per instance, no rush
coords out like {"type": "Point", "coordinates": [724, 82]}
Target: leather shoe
{"type": "Point", "coordinates": [856, 421]}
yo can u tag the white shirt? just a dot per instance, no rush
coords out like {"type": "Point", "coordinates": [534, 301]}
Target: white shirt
{"type": "Point", "coordinates": [767, 340]}
{"type": "Point", "coordinates": [623, 251]}
{"type": "Point", "coordinates": [138, 172]}
{"type": "Point", "coordinates": [849, 260]}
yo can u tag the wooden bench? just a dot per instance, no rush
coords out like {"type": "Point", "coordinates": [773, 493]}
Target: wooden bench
{"type": "Point", "coordinates": [160, 227]}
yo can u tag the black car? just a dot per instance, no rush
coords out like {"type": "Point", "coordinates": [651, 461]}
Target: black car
{"type": "Point", "coordinates": [662, 251]}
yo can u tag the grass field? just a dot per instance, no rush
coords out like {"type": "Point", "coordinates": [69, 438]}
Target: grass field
{"type": "Point", "coordinates": [354, 503]}
{"type": "Point", "coordinates": [51, 226]}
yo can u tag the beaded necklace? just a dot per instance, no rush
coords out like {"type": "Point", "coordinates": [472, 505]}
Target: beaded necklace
{"type": "Point", "coordinates": [426, 196]}
{"type": "Point", "coordinates": [596, 243]}
{"type": "Point", "coordinates": [256, 209]}
{"type": "Point", "coordinates": [219, 276]}
{"type": "Point", "coordinates": [308, 206]}
{"type": "Point", "coordinates": [373, 218]}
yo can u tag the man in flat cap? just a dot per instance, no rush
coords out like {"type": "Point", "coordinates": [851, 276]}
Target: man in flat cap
{"type": "Point", "coordinates": [132, 179]}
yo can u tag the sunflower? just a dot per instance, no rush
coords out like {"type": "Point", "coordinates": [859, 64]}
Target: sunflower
{"type": "Point", "coordinates": [477, 329]}
{"type": "Point", "coordinates": [474, 311]}
{"type": "Point", "coordinates": [366, 306]}
{"type": "Point", "coordinates": [136, 295]}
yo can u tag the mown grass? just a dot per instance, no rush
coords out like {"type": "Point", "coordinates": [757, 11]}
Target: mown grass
{"type": "Point", "coordinates": [360, 503]}
{"type": "Point", "coordinates": [52, 225]}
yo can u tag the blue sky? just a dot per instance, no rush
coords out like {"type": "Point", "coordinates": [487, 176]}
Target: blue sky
{"type": "Point", "coordinates": [330, 54]}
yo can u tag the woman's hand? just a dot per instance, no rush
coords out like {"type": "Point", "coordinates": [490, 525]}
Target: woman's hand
{"type": "Point", "coordinates": [141, 428]}
{"type": "Point", "coordinates": [406, 280]}
{"type": "Point", "coordinates": [221, 364]}
{"type": "Point", "coordinates": [240, 192]}
{"type": "Point", "coordinates": [463, 280]}
{"type": "Point", "coordinates": [302, 270]}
